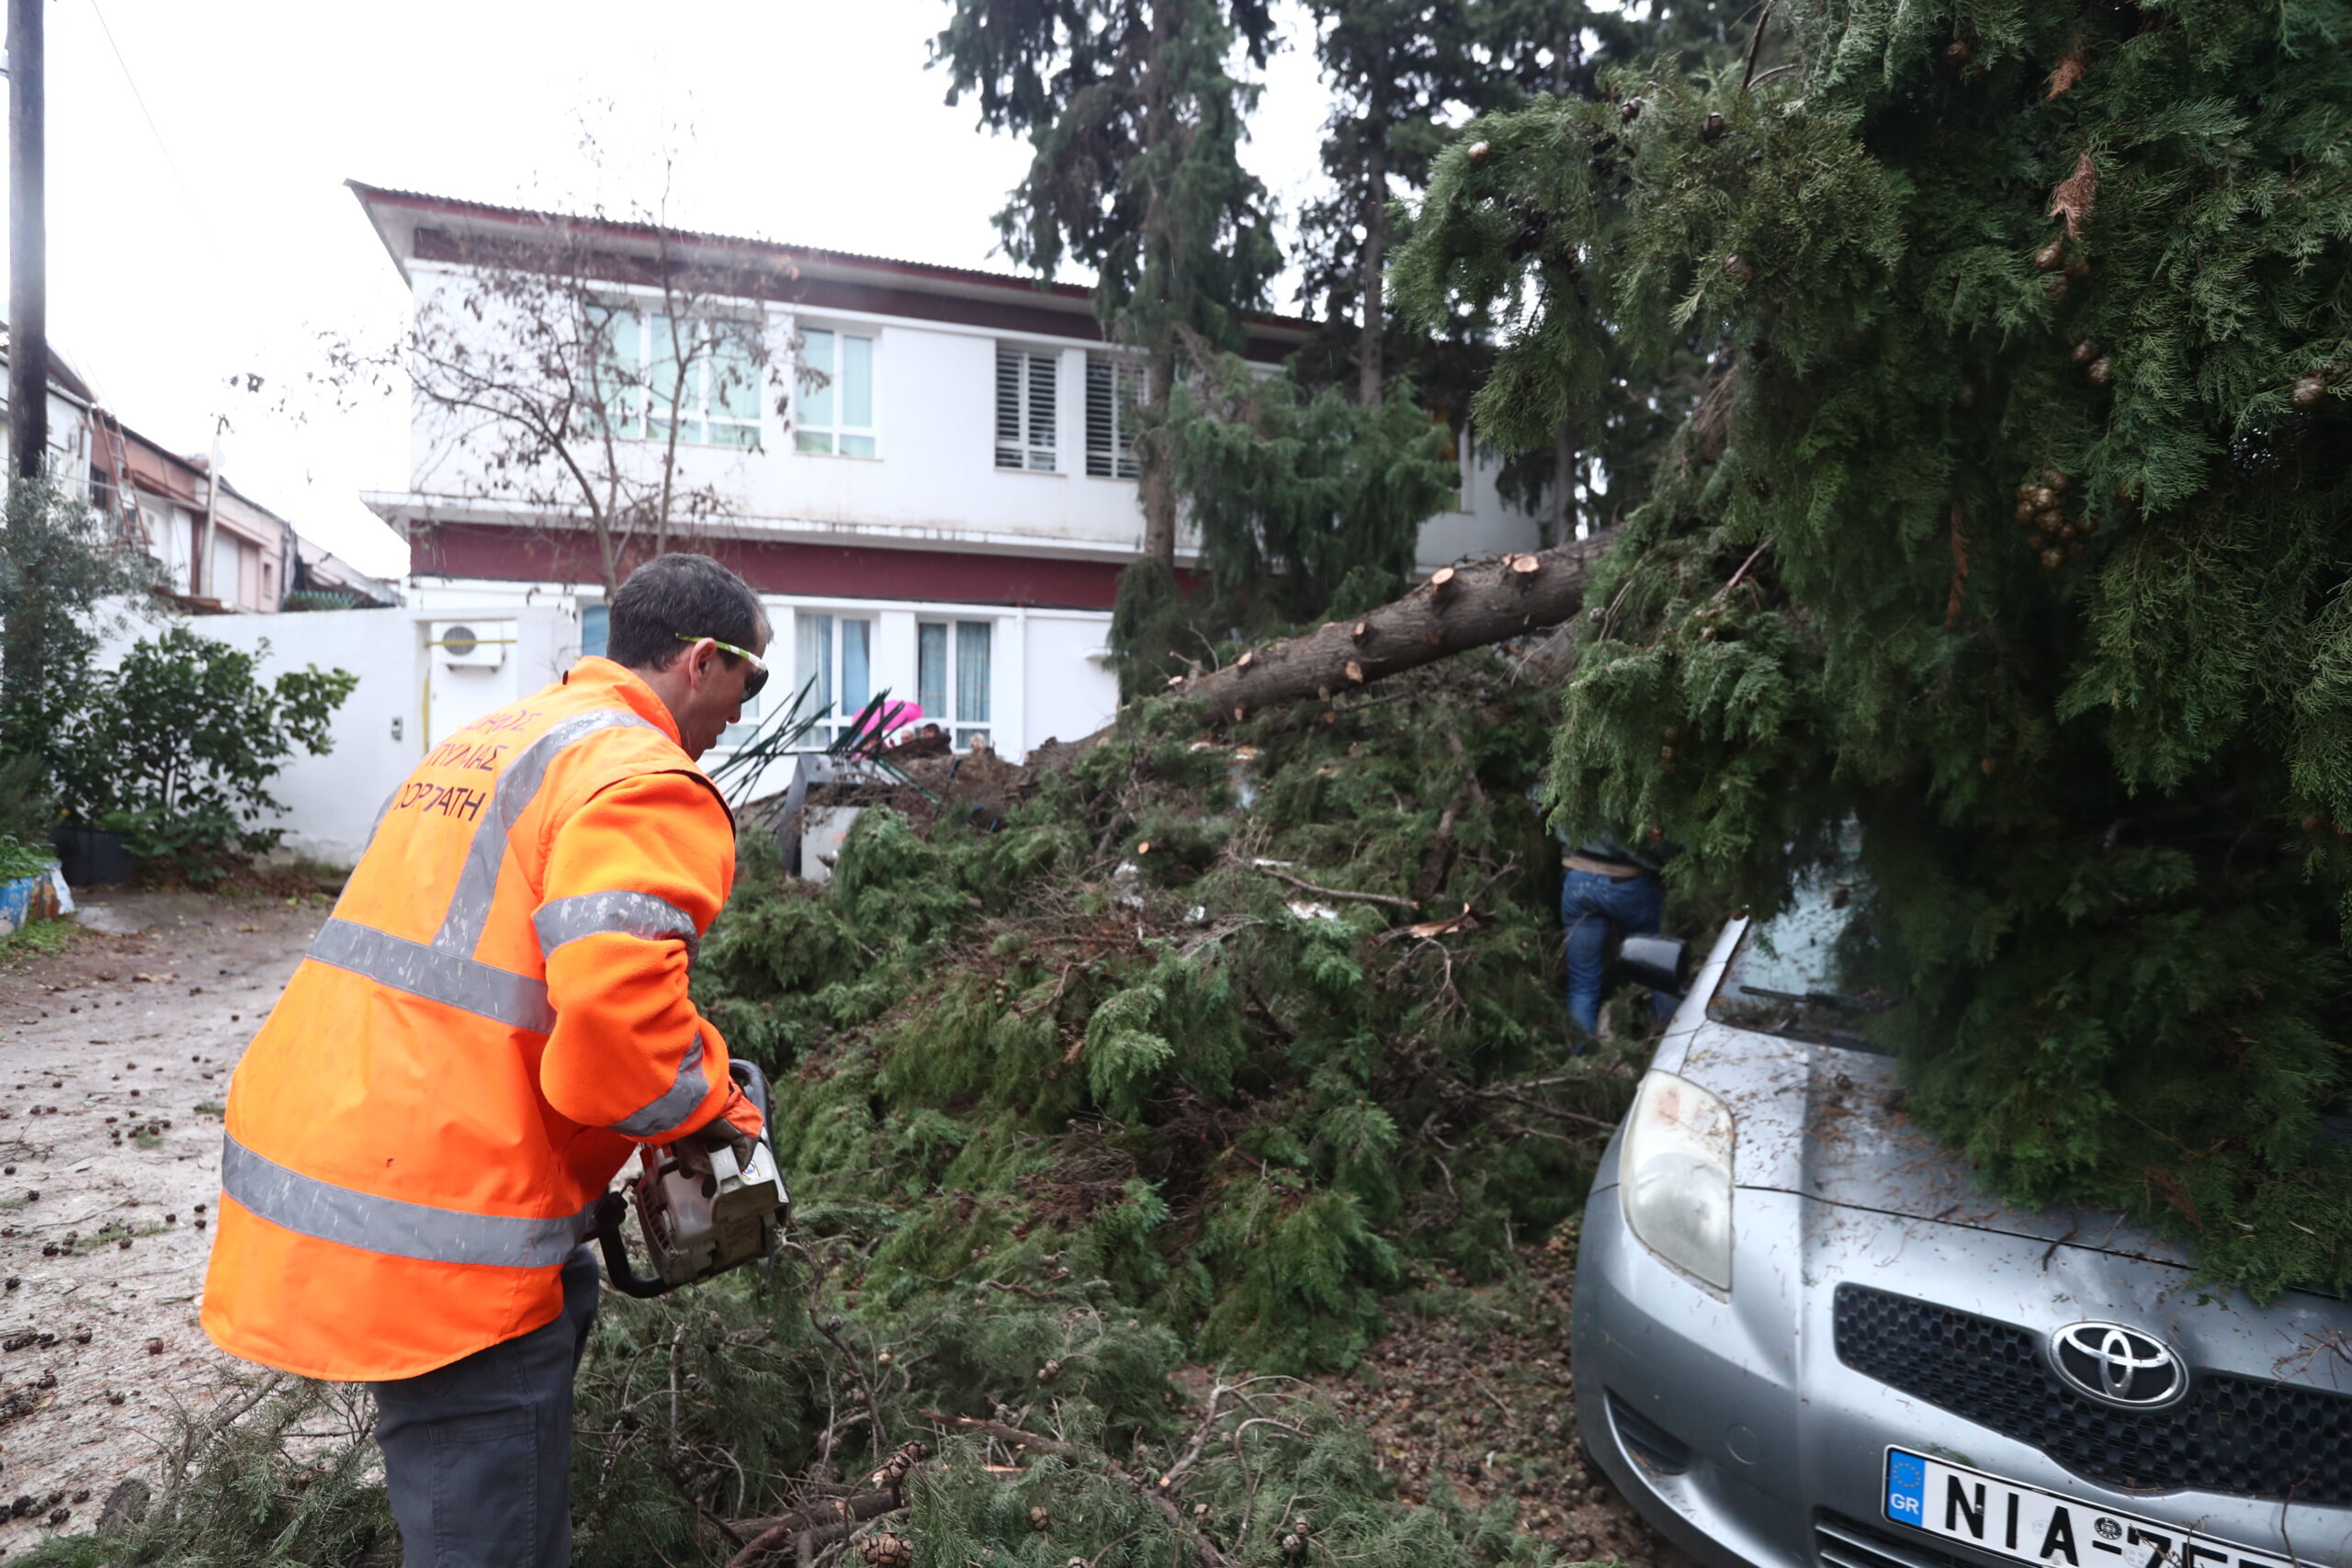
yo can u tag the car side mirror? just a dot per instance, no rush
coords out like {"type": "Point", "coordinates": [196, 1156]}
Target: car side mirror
{"type": "Point", "coordinates": [1661, 962]}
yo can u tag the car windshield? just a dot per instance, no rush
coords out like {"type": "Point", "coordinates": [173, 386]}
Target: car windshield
{"type": "Point", "coordinates": [1800, 973]}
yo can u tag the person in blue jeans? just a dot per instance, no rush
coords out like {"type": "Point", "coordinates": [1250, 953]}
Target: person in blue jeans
{"type": "Point", "coordinates": [1606, 887]}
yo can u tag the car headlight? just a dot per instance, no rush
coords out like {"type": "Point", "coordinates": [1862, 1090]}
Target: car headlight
{"type": "Point", "coordinates": [1674, 1173]}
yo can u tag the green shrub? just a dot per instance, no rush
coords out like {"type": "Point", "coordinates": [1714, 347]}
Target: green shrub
{"type": "Point", "coordinates": [177, 747]}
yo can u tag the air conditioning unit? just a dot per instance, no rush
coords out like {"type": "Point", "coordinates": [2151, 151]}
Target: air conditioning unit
{"type": "Point", "coordinates": [472, 645]}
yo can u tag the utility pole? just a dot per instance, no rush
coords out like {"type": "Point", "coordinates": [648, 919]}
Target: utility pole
{"type": "Point", "coordinates": [27, 246]}
{"type": "Point", "coordinates": [199, 574]}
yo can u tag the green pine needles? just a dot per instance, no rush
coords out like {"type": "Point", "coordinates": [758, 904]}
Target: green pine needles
{"type": "Point", "coordinates": [2010, 526]}
{"type": "Point", "coordinates": [1294, 490]}
{"type": "Point", "coordinates": [1119, 1028]}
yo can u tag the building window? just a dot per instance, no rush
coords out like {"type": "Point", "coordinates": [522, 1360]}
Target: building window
{"type": "Point", "coordinates": [1114, 387]}
{"type": "Point", "coordinates": [704, 372]}
{"type": "Point", "coordinates": [834, 657]}
{"type": "Point", "coordinates": [1025, 409]}
{"type": "Point", "coordinates": [951, 677]}
{"type": "Point", "coordinates": [836, 418]}
{"type": "Point", "coordinates": [595, 627]}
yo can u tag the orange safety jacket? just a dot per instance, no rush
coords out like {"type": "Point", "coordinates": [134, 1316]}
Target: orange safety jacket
{"type": "Point", "coordinates": [495, 1017]}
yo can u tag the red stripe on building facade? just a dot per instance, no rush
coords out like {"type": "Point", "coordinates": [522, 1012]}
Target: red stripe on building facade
{"type": "Point", "coordinates": [781, 566]}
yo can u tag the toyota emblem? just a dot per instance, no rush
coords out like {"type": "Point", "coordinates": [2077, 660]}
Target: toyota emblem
{"type": "Point", "coordinates": [2119, 1365]}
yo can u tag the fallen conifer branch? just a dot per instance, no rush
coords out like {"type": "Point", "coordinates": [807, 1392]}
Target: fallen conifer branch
{"type": "Point", "coordinates": [815, 1527]}
{"type": "Point", "coordinates": [1390, 900]}
{"type": "Point", "coordinates": [1005, 1433]}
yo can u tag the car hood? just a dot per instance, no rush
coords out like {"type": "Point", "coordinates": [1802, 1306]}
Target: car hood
{"type": "Point", "coordinates": [1829, 1123]}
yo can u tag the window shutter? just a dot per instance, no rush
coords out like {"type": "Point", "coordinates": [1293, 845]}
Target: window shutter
{"type": "Point", "coordinates": [1008, 408]}
{"type": "Point", "coordinates": [1041, 412]}
{"type": "Point", "coordinates": [1111, 389]}
{"type": "Point", "coordinates": [1025, 409]}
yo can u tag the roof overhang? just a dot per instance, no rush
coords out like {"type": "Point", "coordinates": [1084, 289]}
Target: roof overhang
{"type": "Point", "coordinates": [415, 227]}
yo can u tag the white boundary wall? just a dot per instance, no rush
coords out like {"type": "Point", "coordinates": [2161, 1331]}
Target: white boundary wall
{"type": "Point", "coordinates": [1051, 680]}
{"type": "Point", "coordinates": [380, 731]}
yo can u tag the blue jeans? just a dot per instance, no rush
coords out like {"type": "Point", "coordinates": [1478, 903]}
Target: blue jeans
{"type": "Point", "coordinates": [477, 1453]}
{"type": "Point", "coordinates": [1590, 904]}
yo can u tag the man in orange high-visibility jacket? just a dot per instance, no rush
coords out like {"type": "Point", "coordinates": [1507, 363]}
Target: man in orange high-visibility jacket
{"type": "Point", "coordinates": [493, 1019]}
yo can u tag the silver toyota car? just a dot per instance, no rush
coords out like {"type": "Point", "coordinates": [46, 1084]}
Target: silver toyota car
{"type": "Point", "coordinates": [1802, 1336]}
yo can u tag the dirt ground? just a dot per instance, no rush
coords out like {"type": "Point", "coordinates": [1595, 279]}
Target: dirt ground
{"type": "Point", "coordinates": [1471, 1391]}
{"type": "Point", "coordinates": [114, 1059]}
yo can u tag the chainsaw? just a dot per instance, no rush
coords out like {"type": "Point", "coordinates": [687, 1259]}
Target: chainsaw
{"type": "Point", "coordinates": [704, 1204]}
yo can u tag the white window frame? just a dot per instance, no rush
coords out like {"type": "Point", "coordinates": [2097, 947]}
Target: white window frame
{"type": "Point", "coordinates": [1116, 460]}
{"type": "Point", "coordinates": [1027, 442]}
{"type": "Point", "coordinates": [836, 434]}
{"type": "Point", "coordinates": [695, 408]}
{"type": "Point", "coordinates": [836, 713]}
{"type": "Point", "coordinates": [959, 728]}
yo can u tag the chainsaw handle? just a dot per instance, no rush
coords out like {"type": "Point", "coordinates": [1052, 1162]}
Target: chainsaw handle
{"type": "Point", "coordinates": [610, 1211]}
{"type": "Point", "coordinates": [755, 1085]}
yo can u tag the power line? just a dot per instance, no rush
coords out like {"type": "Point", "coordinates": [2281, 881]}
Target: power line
{"type": "Point", "coordinates": [141, 99]}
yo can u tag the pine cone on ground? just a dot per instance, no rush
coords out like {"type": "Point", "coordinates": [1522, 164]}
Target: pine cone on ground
{"type": "Point", "coordinates": [888, 1550]}
{"type": "Point", "coordinates": [895, 1470]}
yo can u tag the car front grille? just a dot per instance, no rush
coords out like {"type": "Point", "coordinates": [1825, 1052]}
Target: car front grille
{"type": "Point", "coordinates": [1841, 1542]}
{"type": "Point", "coordinates": [2238, 1436]}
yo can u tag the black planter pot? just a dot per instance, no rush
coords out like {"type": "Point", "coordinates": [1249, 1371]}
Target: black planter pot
{"type": "Point", "coordinates": [91, 858]}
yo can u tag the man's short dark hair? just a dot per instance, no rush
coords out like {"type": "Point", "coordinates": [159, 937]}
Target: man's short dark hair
{"type": "Point", "coordinates": [680, 596]}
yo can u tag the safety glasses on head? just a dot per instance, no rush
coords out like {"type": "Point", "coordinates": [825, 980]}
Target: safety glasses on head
{"type": "Point", "coordinates": [759, 676]}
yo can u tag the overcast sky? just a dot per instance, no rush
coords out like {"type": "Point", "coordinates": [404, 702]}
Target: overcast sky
{"type": "Point", "coordinates": [221, 241]}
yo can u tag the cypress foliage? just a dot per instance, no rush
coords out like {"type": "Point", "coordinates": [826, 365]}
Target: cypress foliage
{"type": "Point", "coordinates": [1136, 122]}
{"type": "Point", "coordinates": [2011, 529]}
{"type": "Point", "coordinates": [1107, 1030]}
{"type": "Point", "coordinates": [1294, 491]}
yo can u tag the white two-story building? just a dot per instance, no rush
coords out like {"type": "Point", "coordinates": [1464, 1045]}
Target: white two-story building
{"type": "Point", "coordinates": [941, 511]}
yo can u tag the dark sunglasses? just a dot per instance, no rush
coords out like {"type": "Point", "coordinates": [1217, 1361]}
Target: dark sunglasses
{"type": "Point", "coordinates": [759, 677]}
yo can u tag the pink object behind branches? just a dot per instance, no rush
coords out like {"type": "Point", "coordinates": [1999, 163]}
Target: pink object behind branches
{"type": "Point", "coordinates": [892, 717]}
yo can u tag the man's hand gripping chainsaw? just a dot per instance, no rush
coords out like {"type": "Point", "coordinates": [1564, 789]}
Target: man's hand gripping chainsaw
{"type": "Point", "coordinates": [709, 1203]}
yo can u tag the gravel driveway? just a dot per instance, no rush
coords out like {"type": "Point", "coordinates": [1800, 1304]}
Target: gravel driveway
{"type": "Point", "coordinates": [114, 1059]}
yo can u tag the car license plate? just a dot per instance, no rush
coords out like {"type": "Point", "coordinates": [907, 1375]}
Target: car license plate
{"type": "Point", "coordinates": [2027, 1524]}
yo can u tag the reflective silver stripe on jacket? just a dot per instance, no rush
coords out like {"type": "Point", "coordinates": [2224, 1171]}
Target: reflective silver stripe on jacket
{"type": "Point", "coordinates": [563, 921]}
{"type": "Point", "coordinates": [519, 786]}
{"type": "Point", "coordinates": [517, 1000]}
{"type": "Point", "coordinates": [674, 1104]}
{"type": "Point", "coordinates": [313, 1208]}
{"type": "Point", "coordinates": [445, 970]}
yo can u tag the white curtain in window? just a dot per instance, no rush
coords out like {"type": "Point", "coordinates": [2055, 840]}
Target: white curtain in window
{"type": "Point", "coordinates": [621, 378]}
{"type": "Point", "coordinates": [673, 377]}
{"type": "Point", "coordinates": [931, 671]}
{"type": "Point", "coordinates": [857, 664]}
{"type": "Point", "coordinates": [972, 672]}
{"type": "Point", "coordinates": [857, 396]}
{"type": "Point", "coordinates": [813, 657]}
{"type": "Point", "coordinates": [814, 421]}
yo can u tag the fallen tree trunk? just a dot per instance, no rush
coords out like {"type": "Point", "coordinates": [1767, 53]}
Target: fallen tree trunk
{"type": "Point", "coordinates": [1457, 609]}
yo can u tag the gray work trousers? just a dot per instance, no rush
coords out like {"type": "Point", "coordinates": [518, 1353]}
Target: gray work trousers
{"type": "Point", "coordinates": [476, 1453]}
